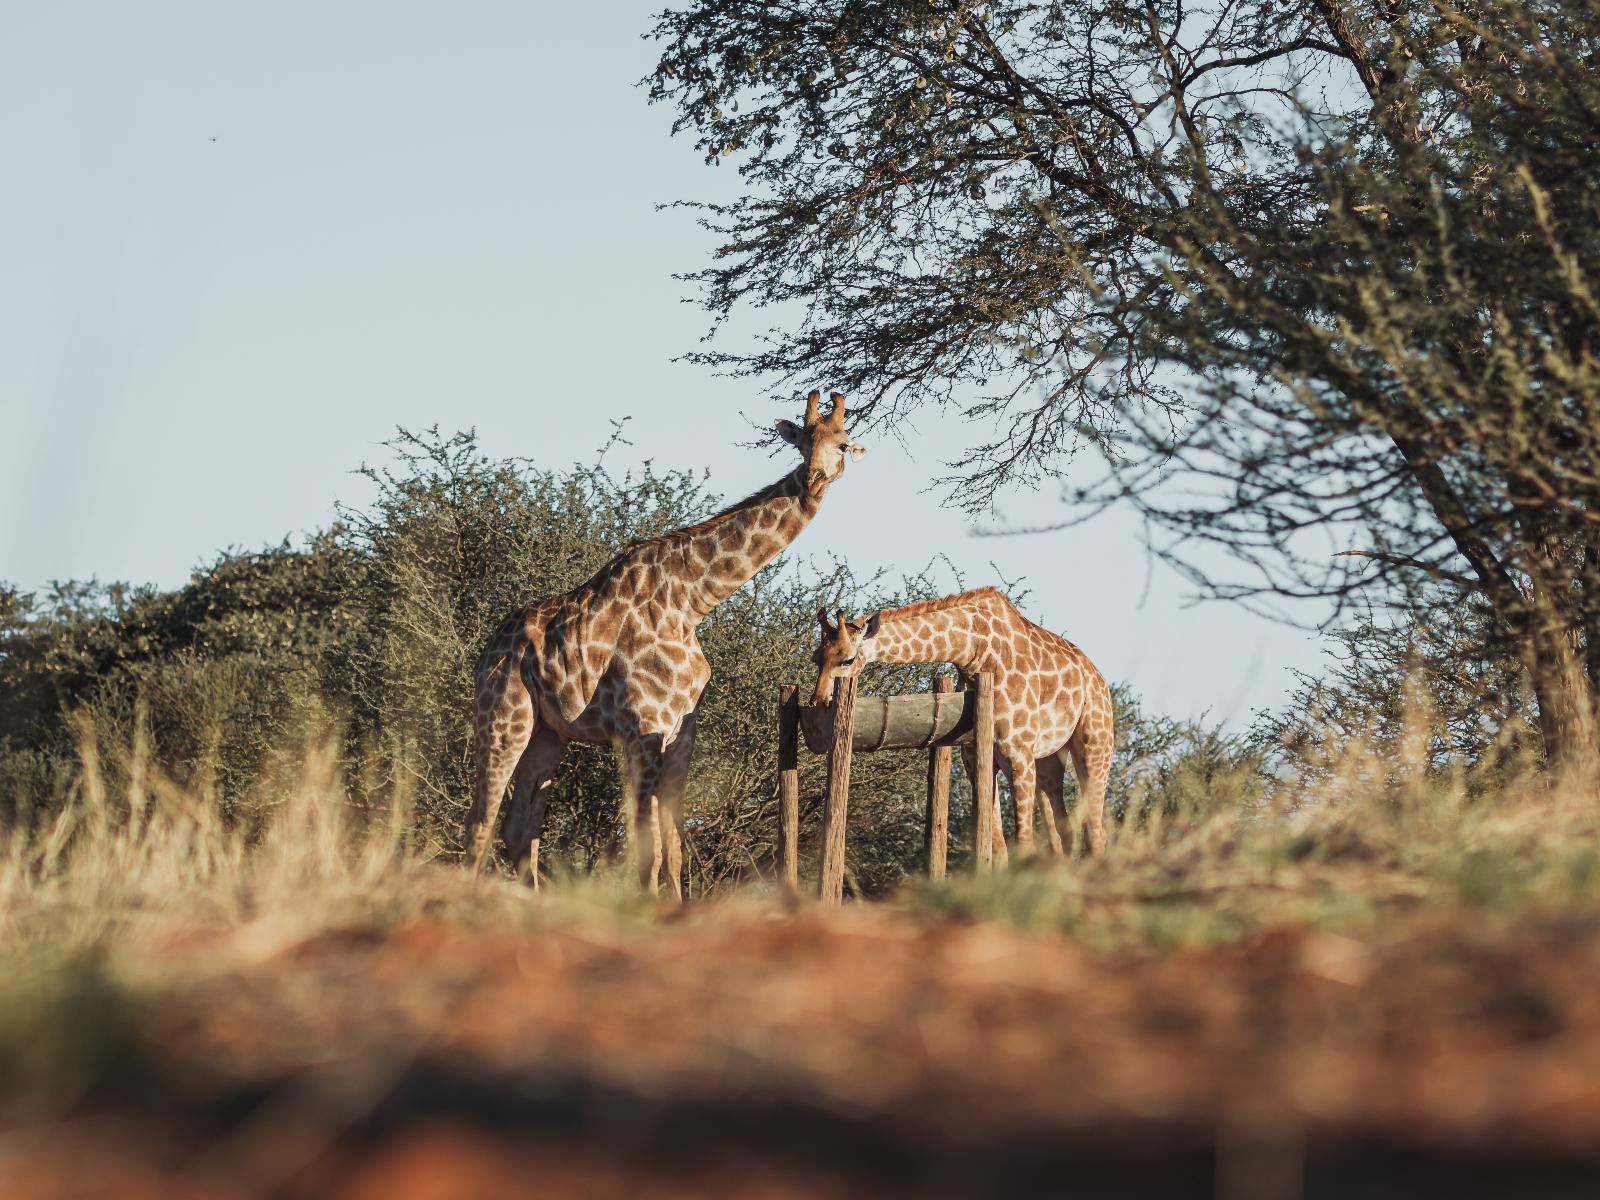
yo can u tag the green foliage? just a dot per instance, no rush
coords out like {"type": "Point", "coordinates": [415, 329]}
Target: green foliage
{"type": "Point", "coordinates": [1309, 277]}
{"type": "Point", "coordinates": [1446, 686]}
{"type": "Point", "coordinates": [1167, 769]}
{"type": "Point", "coordinates": [215, 671]}
{"type": "Point", "coordinates": [453, 542]}
{"type": "Point", "coordinates": [374, 627]}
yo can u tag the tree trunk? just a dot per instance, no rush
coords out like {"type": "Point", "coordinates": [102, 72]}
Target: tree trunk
{"type": "Point", "coordinates": [1566, 698]}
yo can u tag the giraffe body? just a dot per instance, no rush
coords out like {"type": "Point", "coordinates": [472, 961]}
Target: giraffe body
{"type": "Point", "coordinates": [616, 661]}
{"type": "Point", "coordinates": [1052, 706]}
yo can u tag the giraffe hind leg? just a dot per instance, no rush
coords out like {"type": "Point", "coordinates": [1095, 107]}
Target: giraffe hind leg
{"type": "Point", "coordinates": [1091, 760]}
{"type": "Point", "coordinates": [969, 763]}
{"type": "Point", "coordinates": [504, 724]}
{"type": "Point", "coordinates": [1024, 790]}
{"type": "Point", "coordinates": [641, 757]}
{"type": "Point", "coordinates": [530, 797]}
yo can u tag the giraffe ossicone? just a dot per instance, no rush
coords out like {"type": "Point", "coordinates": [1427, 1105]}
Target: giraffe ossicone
{"type": "Point", "coordinates": [1051, 703]}
{"type": "Point", "coordinates": [616, 661]}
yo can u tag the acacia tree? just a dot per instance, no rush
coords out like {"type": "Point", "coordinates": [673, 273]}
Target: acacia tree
{"type": "Point", "coordinates": [1311, 278]}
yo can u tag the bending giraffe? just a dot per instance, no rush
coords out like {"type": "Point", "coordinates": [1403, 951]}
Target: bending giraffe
{"type": "Point", "coordinates": [617, 661]}
{"type": "Point", "coordinates": [1050, 703]}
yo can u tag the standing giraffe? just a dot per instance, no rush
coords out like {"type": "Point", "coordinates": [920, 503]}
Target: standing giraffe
{"type": "Point", "coordinates": [617, 661]}
{"type": "Point", "coordinates": [1050, 702]}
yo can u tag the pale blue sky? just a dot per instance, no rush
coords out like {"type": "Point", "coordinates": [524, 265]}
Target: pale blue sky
{"type": "Point", "coordinates": [239, 244]}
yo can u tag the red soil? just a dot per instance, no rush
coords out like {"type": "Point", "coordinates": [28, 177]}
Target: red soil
{"type": "Point", "coordinates": [862, 1055]}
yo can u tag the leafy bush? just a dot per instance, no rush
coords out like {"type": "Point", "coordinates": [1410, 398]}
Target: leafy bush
{"type": "Point", "coordinates": [373, 627]}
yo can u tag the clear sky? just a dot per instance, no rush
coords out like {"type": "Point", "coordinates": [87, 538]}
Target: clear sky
{"type": "Point", "coordinates": [239, 244]}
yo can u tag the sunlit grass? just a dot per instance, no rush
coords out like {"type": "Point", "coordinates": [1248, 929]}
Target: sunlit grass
{"type": "Point", "coordinates": [138, 886]}
{"type": "Point", "coordinates": [147, 863]}
{"type": "Point", "coordinates": [1361, 840]}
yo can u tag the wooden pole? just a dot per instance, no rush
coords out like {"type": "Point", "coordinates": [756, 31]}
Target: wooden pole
{"type": "Point", "coordinates": [789, 785]}
{"type": "Point", "coordinates": [937, 836]}
{"type": "Point", "coordinates": [837, 803]}
{"type": "Point", "coordinates": [983, 785]}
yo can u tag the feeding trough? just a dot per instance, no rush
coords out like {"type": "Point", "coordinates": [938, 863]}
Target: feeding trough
{"type": "Point", "coordinates": [933, 721]}
{"type": "Point", "coordinates": [915, 722]}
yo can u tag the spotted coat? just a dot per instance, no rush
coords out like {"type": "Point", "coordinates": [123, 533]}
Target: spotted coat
{"type": "Point", "coordinates": [616, 661]}
{"type": "Point", "coordinates": [1051, 703]}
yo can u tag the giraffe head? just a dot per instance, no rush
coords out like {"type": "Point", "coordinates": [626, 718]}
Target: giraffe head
{"type": "Point", "coordinates": [845, 648]}
{"type": "Point", "coordinates": [823, 442]}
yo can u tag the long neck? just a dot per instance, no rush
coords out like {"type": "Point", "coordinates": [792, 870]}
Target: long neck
{"type": "Point", "coordinates": [920, 636]}
{"type": "Point", "coordinates": [717, 556]}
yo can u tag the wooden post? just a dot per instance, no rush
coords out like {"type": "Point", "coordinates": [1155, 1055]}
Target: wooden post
{"type": "Point", "coordinates": [937, 836]}
{"type": "Point", "coordinates": [789, 785]}
{"type": "Point", "coordinates": [837, 803]}
{"type": "Point", "coordinates": [983, 785]}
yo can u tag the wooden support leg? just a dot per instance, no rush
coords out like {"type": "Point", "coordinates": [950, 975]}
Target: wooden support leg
{"type": "Point", "coordinates": [837, 802]}
{"type": "Point", "coordinates": [789, 785]}
{"type": "Point", "coordinates": [937, 838]}
{"type": "Point", "coordinates": [983, 783]}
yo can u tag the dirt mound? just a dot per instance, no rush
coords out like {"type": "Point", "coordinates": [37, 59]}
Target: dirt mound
{"type": "Point", "coordinates": [868, 1054]}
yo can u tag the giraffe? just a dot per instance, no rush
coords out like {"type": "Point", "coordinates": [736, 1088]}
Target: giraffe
{"type": "Point", "coordinates": [616, 661]}
{"type": "Point", "coordinates": [1050, 702]}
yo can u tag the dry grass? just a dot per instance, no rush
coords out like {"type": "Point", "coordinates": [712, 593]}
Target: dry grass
{"type": "Point", "coordinates": [1359, 839]}
{"type": "Point", "coordinates": [119, 873]}
{"type": "Point", "coordinates": [153, 954]}
{"type": "Point", "coordinates": [139, 892]}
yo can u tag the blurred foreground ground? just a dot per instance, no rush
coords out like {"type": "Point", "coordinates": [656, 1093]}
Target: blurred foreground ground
{"type": "Point", "coordinates": [761, 1052]}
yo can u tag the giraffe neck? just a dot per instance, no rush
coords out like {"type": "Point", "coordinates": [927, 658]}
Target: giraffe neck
{"type": "Point", "coordinates": [960, 634]}
{"type": "Point", "coordinates": [717, 556]}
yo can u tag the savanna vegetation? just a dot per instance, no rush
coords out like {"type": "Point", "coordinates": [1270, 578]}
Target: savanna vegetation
{"type": "Point", "coordinates": [364, 637]}
{"type": "Point", "coordinates": [1312, 283]}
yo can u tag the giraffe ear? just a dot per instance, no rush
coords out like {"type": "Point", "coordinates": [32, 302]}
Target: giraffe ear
{"type": "Point", "coordinates": [871, 629]}
{"type": "Point", "coordinates": [788, 431]}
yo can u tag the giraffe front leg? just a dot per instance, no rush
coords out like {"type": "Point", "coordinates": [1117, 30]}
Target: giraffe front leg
{"type": "Point", "coordinates": [1002, 852]}
{"type": "Point", "coordinates": [669, 793]}
{"type": "Point", "coordinates": [969, 763]}
{"type": "Point", "coordinates": [1020, 770]}
{"type": "Point", "coordinates": [642, 766]}
{"type": "Point", "coordinates": [647, 839]}
{"type": "Point", "coordinates": [530, 798]}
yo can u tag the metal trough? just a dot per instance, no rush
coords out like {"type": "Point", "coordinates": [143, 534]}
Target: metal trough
{"type": "Point", "coordinates": [913, 722]}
